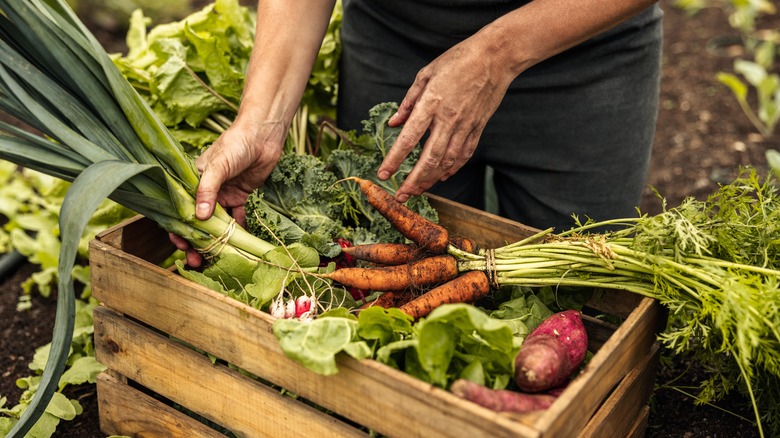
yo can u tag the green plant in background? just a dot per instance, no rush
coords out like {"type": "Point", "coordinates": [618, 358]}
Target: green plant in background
{"type": "Point", "coordinates": [82, 368]}
{"type": "Point", "coordinates": [742, 13]}
{"type": "Point", "coordinates": [112, 15]}
{"type": "Point", "coordinates": [192, 71]}
{"type": "Point", "coordinates": [758, 76]}
{"type": "Point", "coordinates": [31, 202]}
{"type": "Point", "coordinates": [754, 82]}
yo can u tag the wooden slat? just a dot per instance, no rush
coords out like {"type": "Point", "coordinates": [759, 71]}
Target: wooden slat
{"type": "Point", "coordinates": [242, 336]}
{"type": "Point", "coordinates": [216, 392]}
{"type": "Point", "coordinates": [619, 355]}
{"type": "Point", "coordinates": [126, 411]}
{"type": "Point", "coordinates": [488, 230]}
{"type": "Point", "coordinates": [626, 402]}
{"type": "Point", "coordinates": [598, 331]}
{"type": "Point", "coordinates": [639, 428]}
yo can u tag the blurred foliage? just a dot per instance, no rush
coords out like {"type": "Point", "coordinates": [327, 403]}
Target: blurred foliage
{"type": "Point", "coordinates": [113, 15]}
{"type": "Point", "coordinates": [755, 81]}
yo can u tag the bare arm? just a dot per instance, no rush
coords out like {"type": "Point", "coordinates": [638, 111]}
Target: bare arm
{"type": "Point", "coordinates": [288, 37]}
{"type": "Point", "coordinates": [457, 93]}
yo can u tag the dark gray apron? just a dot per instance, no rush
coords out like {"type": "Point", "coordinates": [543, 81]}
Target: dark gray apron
{"type": "Point", "coordinates": [573, 133]}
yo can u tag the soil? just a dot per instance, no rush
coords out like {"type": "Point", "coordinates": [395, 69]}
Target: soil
{"type": "Point", "coordinates": [702, 139]}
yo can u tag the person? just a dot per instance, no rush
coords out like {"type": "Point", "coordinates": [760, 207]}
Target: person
{"type": "Point", "coordinates": [560, 95]}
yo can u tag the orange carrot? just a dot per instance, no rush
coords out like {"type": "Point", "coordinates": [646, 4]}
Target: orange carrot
{"type": "Point", "coordinates": [466, 288]}
{"type": "Point", "coordinates": [465, 244]}
{"type": "Point", "coordinates": [414, 227]}
{"type": "Point", "coordinates": [430, 270]}
{"type": "Point", "coordinates": [390, 299]}
{"type": "Point", "coordinates": [389, 254]}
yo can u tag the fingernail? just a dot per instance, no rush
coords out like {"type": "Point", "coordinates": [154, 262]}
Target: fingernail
{"type": "Point", "coordinates": [393, 117]}
{"type": "Point", "coordinates": [403, 198]}
{"type": "Point", "coordinates": [202, 209]}
{"type": "Point", "coordinates": [383, 175]}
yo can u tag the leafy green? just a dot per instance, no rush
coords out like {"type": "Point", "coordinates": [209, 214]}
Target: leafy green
{"type": "Point", "coordinates": [454, 341]}
{"type": "Point", "coordinates": [315, 344]}
{"type": "Point", "coordinates": [523, 310]}
{"type": "Point", "coordinates": [191, 70]}
{"type": "Point", "coordinates": [60, 408]}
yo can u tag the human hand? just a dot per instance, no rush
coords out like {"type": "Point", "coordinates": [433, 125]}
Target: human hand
{"type": "Point", "coordinates": [236, 164]}
{"type": "Point", "coordinates": [453, 97]}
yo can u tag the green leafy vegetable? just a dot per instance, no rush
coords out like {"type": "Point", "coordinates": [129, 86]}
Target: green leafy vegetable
{"type": "Point", "coordinates": [454, 341]}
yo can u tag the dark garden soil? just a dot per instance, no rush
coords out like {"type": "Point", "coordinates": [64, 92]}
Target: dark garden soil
{"type": "Point", "coordinates": [702, 139]}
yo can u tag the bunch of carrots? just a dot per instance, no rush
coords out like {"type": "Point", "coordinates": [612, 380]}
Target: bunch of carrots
{"type": "Point", "coordinates": [401, 270]}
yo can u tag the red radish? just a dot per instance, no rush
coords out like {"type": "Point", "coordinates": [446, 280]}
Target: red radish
{"type": "Point", "coordinates": [348, 259]}
{"type": "Point", "coordinates": [551, 352]}
{"type": "Point", "coordinates": [501, 400]}
{"type": "Point", "coordinates": [303, 305]}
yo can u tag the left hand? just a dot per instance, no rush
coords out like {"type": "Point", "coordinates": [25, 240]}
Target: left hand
{"type": "Point", "coordinates": [454, 97]}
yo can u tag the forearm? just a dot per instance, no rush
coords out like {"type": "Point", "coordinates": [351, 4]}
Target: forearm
{"type": "Point", "coordinates": [288, 37]}
{"type": "Point", "coordinates": [544, 28]}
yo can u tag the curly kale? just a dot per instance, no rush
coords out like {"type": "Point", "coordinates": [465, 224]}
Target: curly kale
{"type": "Point", "coordinates": [307, 199]}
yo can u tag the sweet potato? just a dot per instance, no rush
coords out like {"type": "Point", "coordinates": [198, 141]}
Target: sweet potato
{"type": "Point", "coordinates": [500, 400]}
{"type": "Point", "coordinates": [551, 352]}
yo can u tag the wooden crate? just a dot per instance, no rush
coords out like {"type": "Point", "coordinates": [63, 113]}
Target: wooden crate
{"type": "Point", "coordinates": [157, 384]}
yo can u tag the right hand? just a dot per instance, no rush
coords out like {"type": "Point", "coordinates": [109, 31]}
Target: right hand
{"type": "Point", "coordinates": [237, 163]}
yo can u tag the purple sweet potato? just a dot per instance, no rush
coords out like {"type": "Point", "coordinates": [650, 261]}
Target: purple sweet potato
{"type": "Point", "coordinates": [500, 400]}
{"type": "Point", "coordinates": [551, 352]}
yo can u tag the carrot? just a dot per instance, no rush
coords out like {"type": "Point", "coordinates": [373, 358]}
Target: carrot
{"type": "Point", "coordinates": [430, 270]}
{"type": "Point", "coordinates": [500, 400]}
{"type": "Point", "coordinates": [466, 288]}
{"type": "Point", "coordinates": [389, 254]}
{"type": "Point", "coordinates": [390, 299]}
{"type": "Point", "coordinates": [551, 352]}
{"type": "Point", "coordinates": [414, 227]}
{"type": "Point", "coordinates": [465, 244]}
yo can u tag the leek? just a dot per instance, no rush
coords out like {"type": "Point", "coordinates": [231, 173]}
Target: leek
{"type": "Point", "coordinates": [101, 135]}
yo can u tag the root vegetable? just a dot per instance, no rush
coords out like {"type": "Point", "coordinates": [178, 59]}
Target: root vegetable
{"type": "Point", "coordinates": [551, 352]}
{"type": "Point", "coordinates": [465, 244]}
{"type": "Point", "coordinates": [501, 400]}
{"type": "Point", "coordinates": [388, 254]}
{"type": "Point", "coordinates": [466, 288]}
{"type": "Point", "coordinates": [423, 272]}
{"type": "Point", "coordinates": [414, 227]}
{"type": "Point", "coordinates": [390, 299]}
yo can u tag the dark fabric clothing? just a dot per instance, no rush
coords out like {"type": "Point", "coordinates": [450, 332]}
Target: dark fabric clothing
{"type": "Point", "coordinates": [573, 133]}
